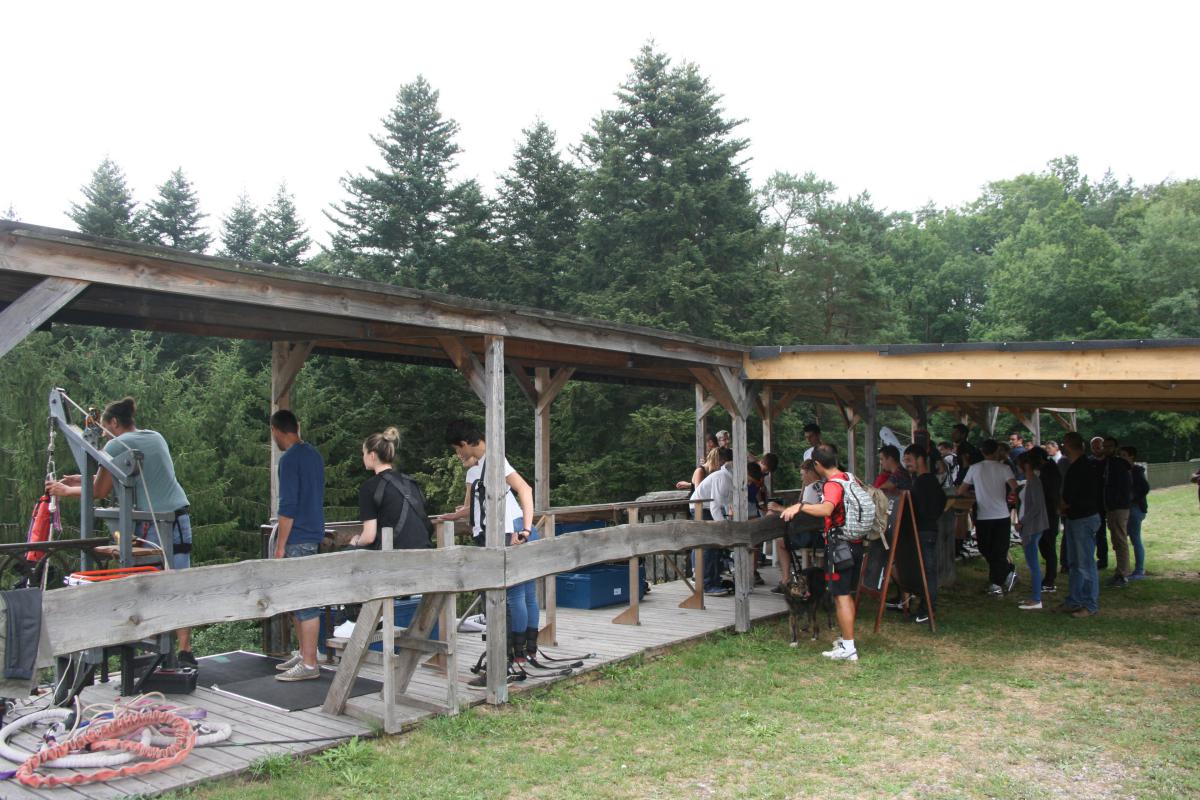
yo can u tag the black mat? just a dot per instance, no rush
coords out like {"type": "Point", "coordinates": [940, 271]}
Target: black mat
{"type": "Point", "coordinates": [252, 676]}
{"type": "Point", "coordinates": [236, 666]}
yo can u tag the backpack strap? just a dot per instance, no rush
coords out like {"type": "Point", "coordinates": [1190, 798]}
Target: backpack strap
{"type": "Point", "coordinates": [390, 478]}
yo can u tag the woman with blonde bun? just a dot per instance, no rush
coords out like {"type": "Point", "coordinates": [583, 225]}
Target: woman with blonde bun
{"type": "Point", "coordinates": [388, 498]}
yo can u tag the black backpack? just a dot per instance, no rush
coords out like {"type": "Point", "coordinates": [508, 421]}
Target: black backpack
{"type": "Point", "coordinates": [413, 522]}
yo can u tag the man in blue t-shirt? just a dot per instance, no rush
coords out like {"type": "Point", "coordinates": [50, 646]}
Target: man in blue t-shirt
{"type": "Point", "coordinates": [301, 528]}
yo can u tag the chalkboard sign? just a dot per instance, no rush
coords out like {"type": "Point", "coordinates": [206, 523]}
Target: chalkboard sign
{"type": "Point", "coordinates": [900, 554]}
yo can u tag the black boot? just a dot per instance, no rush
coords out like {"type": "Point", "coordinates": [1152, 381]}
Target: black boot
{"type": "Point", "coordinates": [531, 643]}
{"type": "Point", "coordinates": [518, 647]}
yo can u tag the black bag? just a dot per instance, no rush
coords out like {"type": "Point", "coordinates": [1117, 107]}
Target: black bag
{"type": "Point", "coordinates": [414, 524]}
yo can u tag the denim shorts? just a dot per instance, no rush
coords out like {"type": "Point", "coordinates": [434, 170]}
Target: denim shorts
{"type": "Point", "coordinates": [181, 539]}
{"type": "Point", "coordinates": [299, 550]}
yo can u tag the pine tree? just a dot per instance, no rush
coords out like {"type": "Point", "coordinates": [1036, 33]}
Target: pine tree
{"type": "Point", "coordinates": [174, 218]}
{"type": "Point", "coordinates": [108, 208]}
{"type": "Point", "coordinates": [10, 214]}
{"type": "Point", "coordinates": [537, 221]}
{"type": "Point", "coordinates": [238, 229]}
{"type": "Point", "coordinates": [281, 238]}
{"type": "Point", "coordinates": [671, 236]}
{"type": "Point", "coordinates": [393, 224]}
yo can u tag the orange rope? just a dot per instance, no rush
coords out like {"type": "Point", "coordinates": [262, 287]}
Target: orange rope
{"type": "Point", "coordinates": [107, 737]}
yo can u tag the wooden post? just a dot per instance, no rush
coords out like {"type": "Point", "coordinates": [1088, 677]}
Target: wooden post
{"type": "Point", "coordinates": [696, 599]}
{"type": "Point", "coordinates": [871, 434]}
{"type": "Point", "coordinates": [541, 442]}
{"type": "Point", "coordinates": [389, 646]}
{"type": "Point", "coordinates": [768, 428]}
{"type": "Point", "coordinates": [448, 622]}
{"type": "Point", "coordinates": [743, 561]}
{"type": "Point", "coordinates": [549, 632]}
{"type": "Point", "coordinates": [630, 615]}
{"type": "Point", "coordinates": [24, 315]}
{"type": "Point", "coordinates": [497, 490]}
{"type": "Point", "coordinates": [286, 360]}
{"type": "Point", "coordinates": [700, 415]}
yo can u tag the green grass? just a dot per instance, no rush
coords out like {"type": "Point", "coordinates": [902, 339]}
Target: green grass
{"type": "Point", "coordinates": [999, 704]}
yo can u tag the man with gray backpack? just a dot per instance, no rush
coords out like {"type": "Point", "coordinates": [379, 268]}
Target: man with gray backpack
{"type": "Point", "coordinates": [850, 513]}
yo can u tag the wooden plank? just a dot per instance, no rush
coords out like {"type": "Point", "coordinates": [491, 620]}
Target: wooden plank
{"type": "Point", "coordinates": [559, 380]}
{"type": "Point", "coordinates": [524, 382]}
{"type": "Point", "coordinates": [709, 380]}
{"type": "Point", "coordinates": [541, 441]}
{"type": "Point", "coordinates": [743, 564]}
{"type": "Point", "coordinates": [355, 653]}
{"type": "Point", "coordinates": [466, 363]}
{"type": "Point", "coordinates": [58, 253]}
{"type": "Point", "coordinates": [702, 409]}
{"type": "Point", "coordinates": [33, 308]}
{"type": "Point", "coordinates": [134, 608]}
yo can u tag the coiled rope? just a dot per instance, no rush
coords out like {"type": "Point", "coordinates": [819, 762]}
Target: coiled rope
{"type": "Point", "coordinates": [108, 737]}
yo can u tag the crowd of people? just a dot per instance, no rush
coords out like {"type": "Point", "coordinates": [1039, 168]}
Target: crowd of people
{"type": "Point", "coordinates": [1094, 494]}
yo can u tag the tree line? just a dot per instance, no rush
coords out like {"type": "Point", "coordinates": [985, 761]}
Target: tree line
{"type": "Point", "coordinates": [651, 218]}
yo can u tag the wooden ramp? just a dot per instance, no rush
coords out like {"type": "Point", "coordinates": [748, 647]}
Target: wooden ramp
{"type": "Point", "coordinates": [663, 624]}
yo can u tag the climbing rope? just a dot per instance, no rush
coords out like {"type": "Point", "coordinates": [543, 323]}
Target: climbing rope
{"type": "Point", "coordinates": [108, 736]}
{"type": "Point", "coordinates": [144, 733]}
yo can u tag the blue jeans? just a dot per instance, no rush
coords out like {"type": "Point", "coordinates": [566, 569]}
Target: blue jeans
{"type": "Point", "coordinates": [1136, 515]}
{"type": "Point", "coordinates": [1035, 567]}
{"type": "Point", "coordinates": [522, 599]}
{"type": "Point", "coordinates": [299, 550]}
{"type": "Point", "coordinates": [181, 539]}
{"type": "Point", "coordinates": [1084, 576]}
{"type": "Point", "coordinates": [522, 607]}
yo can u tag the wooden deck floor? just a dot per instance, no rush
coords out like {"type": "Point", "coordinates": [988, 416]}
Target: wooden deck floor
{"type": "Point", "coordinates": [663, 624]}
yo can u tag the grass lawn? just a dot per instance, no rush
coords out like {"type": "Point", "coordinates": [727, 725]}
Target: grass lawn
{"type": "Point", "coordinates": [999, 704]}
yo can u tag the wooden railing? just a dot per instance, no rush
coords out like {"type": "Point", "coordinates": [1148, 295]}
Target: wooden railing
{"type": "Point", "coordinates": [111, 613]}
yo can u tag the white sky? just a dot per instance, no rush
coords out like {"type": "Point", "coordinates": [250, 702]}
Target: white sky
{"type": "Point", "coordinates": [914, 102]}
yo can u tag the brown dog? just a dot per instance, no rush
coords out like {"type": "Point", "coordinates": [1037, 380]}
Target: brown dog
{"type": "Point", "coordinates": [805, 592]}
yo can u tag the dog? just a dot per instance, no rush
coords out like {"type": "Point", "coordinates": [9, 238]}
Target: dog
{"type": "Point", "coordinates": [805, 593]}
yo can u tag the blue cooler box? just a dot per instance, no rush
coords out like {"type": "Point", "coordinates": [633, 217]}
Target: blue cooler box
{"type": "Point", "coordinates": [598, 586]}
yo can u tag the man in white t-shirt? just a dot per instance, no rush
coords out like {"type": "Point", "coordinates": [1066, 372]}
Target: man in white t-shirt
{"type": "Point", "coordinates": [991, 479]}
{"type": "Point", "coordinates": [471, 448]}
{"type": "Point", "coordinates": [718, 490]}
{"type": "Point", "coordinates": [812, 435]}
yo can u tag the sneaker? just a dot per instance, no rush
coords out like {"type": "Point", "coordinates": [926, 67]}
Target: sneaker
{"type": "Point", "coordinates": [186, 659]}
{"type": "Point", "coordinates": [1010, 581]}
{"type": "Point", "coordinates": [719, 591]}
{"type": "Point", "coordinates": [758, 579]}
{"type": "Point", "coordinates": [778, 589]}
{"type": "Point", "coordinates": [841, 653]}
{"type": "Point", "coordinates": [1030, 605]}
{"type": "Point", "coordinates": [1067, 608]}
{"type": "Point", "coordinates": [284, 666]}
{"type": "Point", "coordinates": [300, 672]}
{"type": "Point", "coordinates": [921, 617]}
{"type": "Point", "coordinates": [1118, 581]}
{"type": "Point", "coordinates": [995, 591]}
{"type": "Point", "coordinates": [1082, 613]}
{"type": "Point", "coordinates": [1049, 590]}
{"type": "Point", "coordinates": [1137, 576]}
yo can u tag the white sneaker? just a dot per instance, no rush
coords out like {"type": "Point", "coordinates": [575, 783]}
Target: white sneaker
{"type": "Point", "coordinates": [1030, 605]}
{"type": "Point", "coordinates": [995, 591]}
{"type": "Point", "coordinates": [841, 653]}
{"type": "Point", "coordinates": [300, 672]}
{"type": "Point", "coordinates": [284, 666]}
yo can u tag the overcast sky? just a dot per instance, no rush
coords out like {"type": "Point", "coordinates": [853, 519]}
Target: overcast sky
{"type": "Point", "coordinates": [915, 102]}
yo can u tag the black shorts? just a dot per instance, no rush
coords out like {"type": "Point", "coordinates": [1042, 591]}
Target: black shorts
{"type": "Point", "coordinates": [844, 581]}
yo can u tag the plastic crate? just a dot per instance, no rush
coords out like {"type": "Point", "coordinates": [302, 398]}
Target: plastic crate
{"type": "Point", "coordinates": [598, 586]}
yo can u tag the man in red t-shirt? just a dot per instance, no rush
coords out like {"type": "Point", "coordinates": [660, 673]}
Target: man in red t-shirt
{"type": "Point", "coordinates": [843, 578]}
